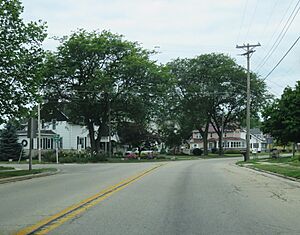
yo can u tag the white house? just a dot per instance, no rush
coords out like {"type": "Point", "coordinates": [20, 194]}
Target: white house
{"type": "Point", "coordinates": [232, 140]}
{"type": "Point", "coordinates": [71, 136]}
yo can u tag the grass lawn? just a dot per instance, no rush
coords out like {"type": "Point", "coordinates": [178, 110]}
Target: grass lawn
{"type": "Point", "coordinates": [226, 155]}
{"type": "Point", "coordinates": [282, 170]}
{"type": "Point", "coordinates": [287, 166]}
{"type": "Point", "coordinates": [7, 174]}
{"type": "Point", "coordinates": [4, 168]}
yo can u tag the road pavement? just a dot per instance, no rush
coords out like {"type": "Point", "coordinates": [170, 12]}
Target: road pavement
{"type": "Point", "coordinates": [211, 196]}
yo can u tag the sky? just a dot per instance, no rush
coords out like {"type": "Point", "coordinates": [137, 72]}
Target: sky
{"type": "Point", "coordinates": [187, 28]}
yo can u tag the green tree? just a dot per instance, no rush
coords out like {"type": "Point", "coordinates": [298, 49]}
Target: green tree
{"type": "Point", "coordinates": [281, 119]}
{"type": "Point", "coordinates": [136, 135]}
{"type": "Point", "coordinates": [212, 90]}
{"type": "Point", "coordinates": [9, 146]}
{"type": "Point", "coordinates": [95, 74]}
{"type": "Point", "coordinates": [21, 57]}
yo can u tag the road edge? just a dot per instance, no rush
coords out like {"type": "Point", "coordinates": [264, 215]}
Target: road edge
{"type": "Point", "coordinates": [26, 177]}
{"type": "Point", "coordinates": [270, 173]}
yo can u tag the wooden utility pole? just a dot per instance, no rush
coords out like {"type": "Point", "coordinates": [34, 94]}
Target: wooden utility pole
{"type": "Point", "coordinates": [249, 51]}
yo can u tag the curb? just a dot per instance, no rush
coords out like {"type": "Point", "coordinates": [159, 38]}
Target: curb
{"type": "Point", "coordinates": [26, 177]}
{"type": "Point", "coordinates": [273, 173]}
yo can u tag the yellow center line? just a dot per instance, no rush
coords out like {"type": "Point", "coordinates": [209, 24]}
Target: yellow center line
{"type": "Point", "coordinates": [46, 225]}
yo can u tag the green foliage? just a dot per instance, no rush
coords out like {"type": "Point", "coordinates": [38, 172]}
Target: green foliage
{"type": "Point", "coordinates": [197, 152]}
{"type": "Point", "coordinates": [137, 136]}
{"type": "Point", "coordinates": [95, 74]}
{"type": "Point", "coordinates": [282, 117]}
{"type": "Point", "coordinates": [211, 88]}
{"type": "Point", "coordinates": [232, 151]}
{"type": "Point", "coordinates": [9, 146]}
{"type": "Point", "coordinates": [74, 157]}
{"type": "Point", "coordinates": [21, 58]}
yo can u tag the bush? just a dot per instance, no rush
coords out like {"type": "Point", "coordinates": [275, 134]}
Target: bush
{"type": "Point", "coordinates": [232, 151]}
{"type": "Point", "coordinates": [118, 154]}
{"type": "Point", "coordinates": [49, 156]}
{"type": "Point", "coordinates": [197, 152]}
{"type": "Point", "coordinates": [74, 157]}
{"type": "Point", "coordinates": [214, 150]}
{"type": "Point", "coordinates": [163, 151]}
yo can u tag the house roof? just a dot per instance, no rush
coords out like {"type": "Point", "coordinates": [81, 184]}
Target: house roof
{"type": "Point", "coordinates": [255, 131]}
{"type": "Point", "coordinates": [53, 113]}
{"type": "Point", "coordinates": [43, 132]}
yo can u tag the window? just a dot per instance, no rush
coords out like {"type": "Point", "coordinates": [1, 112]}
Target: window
{"type": "Point", "coordinates": [61, 143]}
{"type": "Point", "coordinates": [256, 145]}
{"type": "Point", "coordinates": [80, 142]}
{"type": "Point", "coordinates": [53, 124]}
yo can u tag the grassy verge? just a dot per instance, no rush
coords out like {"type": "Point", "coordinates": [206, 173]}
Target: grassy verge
{"type": "Point", "coordinates": [287, 166]}
{"type": "Point", "coordinates": [282, 170]}
{"type": "Point", "coordinates": [226, 155]}
{"type": "Point", "coordinates": [8, 174]}
{"type": "Point", "coordinates": [4, 168]}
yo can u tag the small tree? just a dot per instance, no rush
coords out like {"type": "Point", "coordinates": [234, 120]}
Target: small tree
{"type": "Point", "coordinates": [9, 146]}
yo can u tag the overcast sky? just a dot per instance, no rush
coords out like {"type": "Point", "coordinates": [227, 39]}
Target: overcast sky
{"type": "Point", "coordinates": [185, 28]}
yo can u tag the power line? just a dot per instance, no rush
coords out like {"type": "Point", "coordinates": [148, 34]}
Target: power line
{"type": "Point", "coordinates": [282, 58]}
{"type": "Point", "coordinates": [243, 19]}
{"type": "Point", "coordinates": [252, 17]}
{"type": "Point", "coordinates": [280, 36]}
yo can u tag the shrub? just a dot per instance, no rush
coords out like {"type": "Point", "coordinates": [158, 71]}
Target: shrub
{"type": "Point", "coordinates": [197, 152]}
{"type": "Point", "coordinates": [232, 151]}
{"type": "Point", "coordinates": [74, 157]}
{"type": "Point", "coordinates": [163, 151]}
{"type": "Point", "coordinates": [49, 156]}
{"type": "Point", "coordinates": [100, 157]}
{"type": "Point", "coordinates": [118, 154]}
{"type": "Point", "coordinates": [214, 150]}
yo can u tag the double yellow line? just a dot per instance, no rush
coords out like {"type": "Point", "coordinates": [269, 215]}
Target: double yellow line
{"type": "Point", "coordinates": [48, 224]}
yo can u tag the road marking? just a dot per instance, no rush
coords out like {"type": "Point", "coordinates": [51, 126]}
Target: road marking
{"type": "Point", "coordinates": [54, 221]}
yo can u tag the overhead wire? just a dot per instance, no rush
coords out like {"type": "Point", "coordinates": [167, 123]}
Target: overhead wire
{"type": "Point", "coordinates": [281, 59]}
{"type": "Point", "coordinates": [242, 21]}
{"type": "Point", "coordinates": [252, 17]}
{"type": "Point", "coordinates": [280, 36]}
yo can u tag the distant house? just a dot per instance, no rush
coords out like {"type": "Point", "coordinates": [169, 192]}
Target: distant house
{"type": "Point", "coordinates": [232, 140]}
{"type": "Point", "coordinates": [71, 136]}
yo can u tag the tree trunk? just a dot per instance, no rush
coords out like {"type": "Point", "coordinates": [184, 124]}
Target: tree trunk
{"type": "Point", "coordinates": [220, 144]}
{"type": "Point", "coordinates": [294, 149]}
{"type": "Point", "coordinates": [204, 135]}
{"type": "Point", "coordinates": [91, 130]}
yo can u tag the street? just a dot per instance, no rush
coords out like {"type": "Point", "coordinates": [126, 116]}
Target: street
{"type": "Point", "coordinates": [211, 196]}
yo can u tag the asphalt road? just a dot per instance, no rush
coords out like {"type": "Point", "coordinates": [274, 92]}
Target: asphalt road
{"type": "Point", "coordinates": [186, 197]}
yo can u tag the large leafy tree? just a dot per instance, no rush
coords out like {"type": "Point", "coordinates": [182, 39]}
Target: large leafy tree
{"type": "Point", "coordinates": [95, 74]}
{"type": "Point", "coordinates": [282, 117]}
{"type": "Point", "coordinates": [212, 90]}
{"type": "Point", "coordinates": [137, 135]}
{"type": "Point", "coordinates": [21, 57]}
